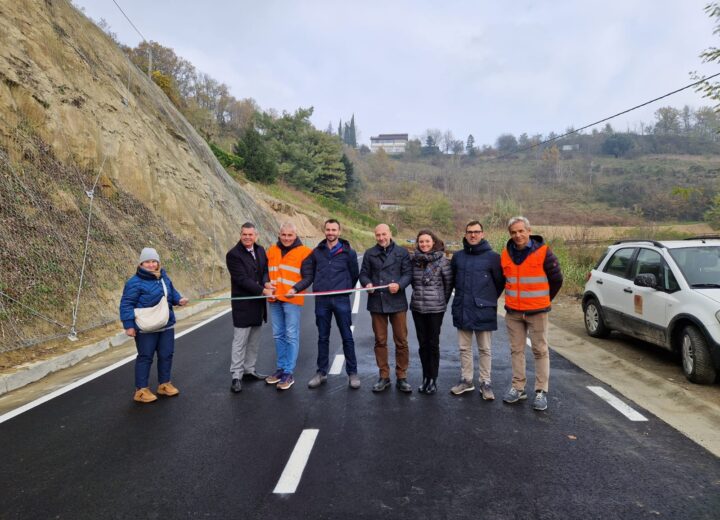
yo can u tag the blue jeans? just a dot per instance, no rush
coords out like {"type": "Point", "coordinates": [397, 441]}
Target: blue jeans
{"type": "Point", "coordinates": [325, 308]}
{"type": "Point", "coordinates": [286, 332]}
{"type": "Point", "coordinates": [147, 343]}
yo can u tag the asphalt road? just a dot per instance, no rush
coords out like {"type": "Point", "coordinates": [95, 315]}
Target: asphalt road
{"type": "Point", "coordinates": [94, 453]}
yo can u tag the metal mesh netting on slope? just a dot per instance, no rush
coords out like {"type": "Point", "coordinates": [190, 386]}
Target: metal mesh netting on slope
{"type": "Point", "coordinates": [44, 210]}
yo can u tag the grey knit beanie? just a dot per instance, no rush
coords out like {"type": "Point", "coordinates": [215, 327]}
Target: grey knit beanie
{"type": "Point", "coordinates": [148, 253]}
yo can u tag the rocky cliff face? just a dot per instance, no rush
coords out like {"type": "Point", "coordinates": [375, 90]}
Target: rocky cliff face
{"type": "Point", "coordinates": [75, 112]}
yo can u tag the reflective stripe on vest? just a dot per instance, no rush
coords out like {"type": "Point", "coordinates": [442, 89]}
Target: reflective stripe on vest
{"type": "Point", "coordinates": [526, 285]}
{"type": "Point", "coordinates": [285, 271]}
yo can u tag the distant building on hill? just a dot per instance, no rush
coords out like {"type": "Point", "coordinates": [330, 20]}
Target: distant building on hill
{"type": "Point", "coordinates": [390, 205]}
{"type": "Point", "coordinates": [391, 143]}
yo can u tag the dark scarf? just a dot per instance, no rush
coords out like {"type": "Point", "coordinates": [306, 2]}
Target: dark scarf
{"type": "Point", "coordinates": [430, 262]}
{"type": "Point", "coordinates": [285, 250]}
{"type": "Point", "coordinates": [157, 274]}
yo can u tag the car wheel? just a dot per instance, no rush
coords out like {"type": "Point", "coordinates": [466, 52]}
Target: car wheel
{"type": "Point", "coordinates": [696, 359]}
{"type": "Point", "coordinates": [594, 323]}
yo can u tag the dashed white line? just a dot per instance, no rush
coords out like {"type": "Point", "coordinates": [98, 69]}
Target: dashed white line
{"type": "Point", "coordinates": [95, 375]}
{"type": "Point", "coordinates": [337, 365]}
{"type": "Point", "coordinates": [290, 478]}
{"type": "Point", "coordinates": [356, 301]}
{"type": "Point", "coordinates": [616, 403]}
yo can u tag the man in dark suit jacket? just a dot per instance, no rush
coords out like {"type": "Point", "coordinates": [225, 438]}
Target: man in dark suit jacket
{"type": "Point", "coordinates": [388, 264]}
{"type": "Point", "coordinates": [248, 266]}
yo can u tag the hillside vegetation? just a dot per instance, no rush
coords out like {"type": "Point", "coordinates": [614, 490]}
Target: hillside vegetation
{"type": "Point", "coordinates": [81, 127]}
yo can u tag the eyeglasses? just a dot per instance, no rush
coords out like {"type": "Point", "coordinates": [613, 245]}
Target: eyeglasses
{"type": "Point", "coordinates": [473, 232]}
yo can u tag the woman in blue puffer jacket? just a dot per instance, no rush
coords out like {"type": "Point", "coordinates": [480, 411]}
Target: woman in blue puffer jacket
{"type": "Point", "coordinates": [144, 290]}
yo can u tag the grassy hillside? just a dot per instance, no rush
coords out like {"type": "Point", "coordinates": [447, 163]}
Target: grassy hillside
{"type": "Point", "coordinates": [570, 189]}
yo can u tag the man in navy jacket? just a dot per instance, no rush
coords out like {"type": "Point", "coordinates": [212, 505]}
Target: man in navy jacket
{"type": "Point", "coordinates": [333, 266]}
{"type": "Point", "coordinates": [479, 282]}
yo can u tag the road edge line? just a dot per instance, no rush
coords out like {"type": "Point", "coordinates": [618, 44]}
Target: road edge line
{"type": "Point", "coordinates": [67, 388]}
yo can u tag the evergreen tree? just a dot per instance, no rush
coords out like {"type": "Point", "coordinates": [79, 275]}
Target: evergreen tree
{"type": "Point", "coordinates": [351, 182]}
{"type": "Point", "coordinates": [352, 137]}
{"type": "Point", "coordinates": [259, 163]}
{"type": "Point", "coordinates": [470, 145]}
{"type": "Point", "coordinates": [307, 158]}
{"type": "Point", "coordinates": [328, 168]}
{"type": "Point", "coordinates": [431, 147]}
{"type": "Point", "coordinates": [340, 132]}
{"type": "Point", "coordinates": [346, 134]}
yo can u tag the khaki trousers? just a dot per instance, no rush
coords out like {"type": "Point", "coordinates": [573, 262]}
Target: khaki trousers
{"type": "Point", "coordinates": [519, 327]}
{"type": "Point", "coordinates": [484, 338]}
{"type": "Point", "coordinates": [398, 321]}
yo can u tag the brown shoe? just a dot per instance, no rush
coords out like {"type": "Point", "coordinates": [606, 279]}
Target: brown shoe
{"type": "Point", "coordinates": [144, 395]}
{"type": "Point", "coordinates": [167, 389]}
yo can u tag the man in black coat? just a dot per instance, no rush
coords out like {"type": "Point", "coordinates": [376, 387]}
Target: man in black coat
{"type": "Point", "coordinates": [248, 266]}
{"type": "Point", "coordinates": [388, 264]}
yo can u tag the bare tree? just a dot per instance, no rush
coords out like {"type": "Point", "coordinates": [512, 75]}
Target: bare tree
{"type": "Point", "coordinates": [448, 139]}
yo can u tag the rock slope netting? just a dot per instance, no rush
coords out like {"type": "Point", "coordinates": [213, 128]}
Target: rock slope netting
{"type": "Point", "coordinates": [76, 114]}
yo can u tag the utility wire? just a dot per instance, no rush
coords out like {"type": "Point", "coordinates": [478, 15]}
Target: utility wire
{"type": "Point", "coordinates": [609, 117]}
{"type": "Point", "coordinates": [129, 20]}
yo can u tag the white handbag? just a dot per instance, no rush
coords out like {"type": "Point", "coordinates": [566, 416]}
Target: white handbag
{"type": "Point", "coordinates": [150, 319]}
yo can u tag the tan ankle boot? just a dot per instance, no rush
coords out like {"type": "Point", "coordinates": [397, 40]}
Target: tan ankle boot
{"type": "Point", "coordinates": [167, 389]}
{"type": "Point", "coordinates": [144, 395]}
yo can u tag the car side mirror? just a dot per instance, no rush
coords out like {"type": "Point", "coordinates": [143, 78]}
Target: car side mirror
{"type": "Point", "coordinates": [646, 280]}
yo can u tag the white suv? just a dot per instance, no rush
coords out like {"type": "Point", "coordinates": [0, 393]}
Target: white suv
{"type": "Point", "coordinates": [667, 293]}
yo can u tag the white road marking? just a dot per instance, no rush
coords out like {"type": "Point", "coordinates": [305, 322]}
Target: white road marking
{"type": "Point", "coordinates": [356, 301]}
{"type": "Point", "coordinates": [616, 403]}
{"type": "Point", "coordinates": [337, 365]}
{"type": "Point", "coordinates": [290, 478]}
{"type": "Point", "coordinates": [94, 375]}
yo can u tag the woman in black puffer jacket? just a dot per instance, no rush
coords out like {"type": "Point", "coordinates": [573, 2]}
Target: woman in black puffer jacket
{"type": "Point", "coordinates": [432, 285]}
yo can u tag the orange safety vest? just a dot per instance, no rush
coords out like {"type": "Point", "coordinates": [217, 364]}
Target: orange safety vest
{"type": "Point", "coordinates": [285, 271]}
{"type": "Point", "coordinates": [526, 285]}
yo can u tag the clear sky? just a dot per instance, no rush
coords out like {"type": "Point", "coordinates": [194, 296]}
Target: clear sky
{"type": "Point", "coordinates": [476, 67]}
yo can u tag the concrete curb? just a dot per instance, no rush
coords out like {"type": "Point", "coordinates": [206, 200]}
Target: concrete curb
{"type": "Point", "coordinates": [32, 372]}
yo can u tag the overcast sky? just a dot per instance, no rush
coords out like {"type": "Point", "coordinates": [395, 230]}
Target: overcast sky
{"type": "Point", "coordinates": [472, 67]}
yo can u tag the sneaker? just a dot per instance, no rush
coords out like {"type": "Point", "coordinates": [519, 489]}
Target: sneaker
{"type": "Point", "coordinates": [486, 391]}
{"type": "Point", "coordinates": [144, 395]}
{"type": "Point", "coordinates": [236, 386]}
{"type": "Point", "coordinates": [317, 380]}
{"type": "Point", "coordinates": [354, 381]}
{"type": "Point", "coordinates": [167, 389]}
{"type": "Point", "coordinates": [382, 384]}
{"type": "Point", "coordinates": [286, 381]}
{"type": "Point", "coordinates": [462, 387]}
{"type": "Point", "coordinates": [403, 385]}
{"type": "Point", "coordinates": [540, 401]}
{"type": "Point", "coordinates": [274, 378]}
{"type": "Point", "coordinates": [514, 395]}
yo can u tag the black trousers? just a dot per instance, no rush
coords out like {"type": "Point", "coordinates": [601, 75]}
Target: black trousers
{"type": "Point", "coordinates": [427, 327]}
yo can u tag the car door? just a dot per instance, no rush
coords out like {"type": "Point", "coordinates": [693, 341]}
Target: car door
{"type": "Point", "coordinates": [612, 285]}
{"type": "Point", "coordinates": [646, 313]}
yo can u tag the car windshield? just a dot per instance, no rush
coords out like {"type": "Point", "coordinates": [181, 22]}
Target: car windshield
{"type": "Point", "coordinates": [699, 265]}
